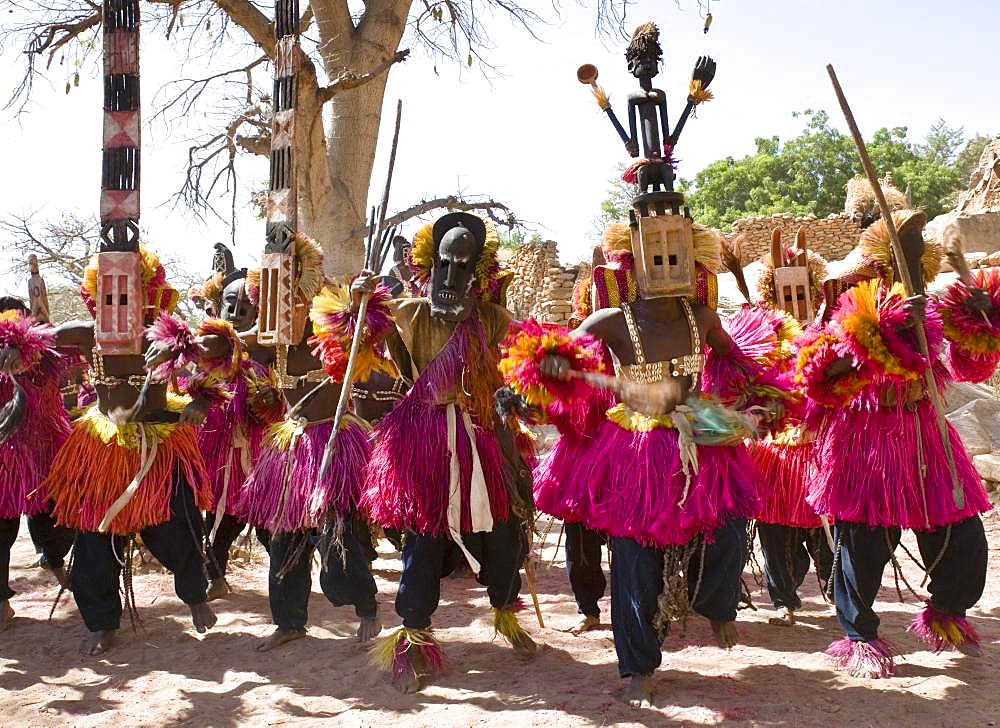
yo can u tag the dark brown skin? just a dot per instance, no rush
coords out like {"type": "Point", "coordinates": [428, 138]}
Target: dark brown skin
{"type": "Point", "coordinates": [80, 334]}
{"type": "Point", "coordinates": [663, 328]}
{"type": "Point", "coordinates": [300, 361]}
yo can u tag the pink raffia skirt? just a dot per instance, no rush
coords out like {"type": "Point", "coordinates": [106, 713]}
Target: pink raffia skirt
{"type": "Point", "coordinates": [632, 484]}
{"type": "Point", "coordinates": [868, 470]}
{"type": "Point", "coordinates": [407, 480]}
{"type": "Point", "coordinates": [284, 495]}
{"type": "Point", "coordinates": [27, 456]}
{"type": "Point", "coordinates": [783, 474]}
{"type": "Point", "coordinates": [230, 438]}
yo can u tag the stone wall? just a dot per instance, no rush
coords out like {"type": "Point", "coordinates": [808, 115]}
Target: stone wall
{"type": "Point", "coordinates": [833, 236]}
{"type": "Point", "coordinates": [542, 288]}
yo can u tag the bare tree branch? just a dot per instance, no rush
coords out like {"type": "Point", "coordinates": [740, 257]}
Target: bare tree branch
{"type": "Point", "coordinates": [498, 212]}
{"type": "Point", "coordinates": [63, 245]}
{"type": "Point", "coordinates": [257, 25]}
{"type": "Point", "coordinates": [348, 79]}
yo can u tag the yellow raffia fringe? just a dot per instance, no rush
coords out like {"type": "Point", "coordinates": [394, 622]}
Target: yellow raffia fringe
{"type": "Point", "coordinates": [505, 624]}
{"type": "Point", "coordinates": [422, 250]}
{"type": "Point", "coordinates": [617, 236]}
{"type": "Point", "coordinates": [628, 419]}
{"type": "Point", "coordinates": [128, 435]}
{"type": "Point", "coordinates": [697, 94]}
{"type": "Point", "coordinates": [210, 290]}
{"type": "Point", "coordinates": [790, 329]}
{"type": "Point", "coordinates": [279, 435]}
{"type": "Point", "coordinates": [309, 255]}
{"type": "Point", "coordinates": [948, 632]}
{"type": "Point", "coordinates": [863, 325]}
{"type": "Point", "coordinates": [601, 96]}
{"type": "Point", "coordinates": [796, 436]}
{"type": "Point", "coordinates": [977, 344]}
{"type": "Point", "coordinates": [382, 653]}
{"type": "Point", "coordinates": [708, 247]}
{"type": "Point", "coordinates": [875, 243]}
{"type": "Point", "coordinates": [523, 349]}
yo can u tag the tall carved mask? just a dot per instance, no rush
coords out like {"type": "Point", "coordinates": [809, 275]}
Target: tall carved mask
{"type": "Point", "coordinates": [458, 243]}
{"type": "Point", "coordinates": [663, 249]}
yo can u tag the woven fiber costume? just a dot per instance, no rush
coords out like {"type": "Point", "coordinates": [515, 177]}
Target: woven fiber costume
{"type": "Point", "coordinates": [671, 485]}
{"type": "Point", "coordinates": [294, 511]}
{"type": "Point", "coordinates": [33, 426]}
{"type": "Point", "coordinates": [611, 283]}
{"type": "Point", "coordinates": [232, 435]}
{"type": "Point", "coordinates": [790, 291]}
{"type": "Point", "coordinates": [440, 460]}
{"type": "Point", "coordinates": [132, 464]}
{"type": "Point", "coordinates": [881, 463]}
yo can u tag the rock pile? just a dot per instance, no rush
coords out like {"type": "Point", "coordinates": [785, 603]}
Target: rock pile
{"type": "Point", "coordinates": [976, 220]}
{"type": "Point", "coordinates": [542, 288]}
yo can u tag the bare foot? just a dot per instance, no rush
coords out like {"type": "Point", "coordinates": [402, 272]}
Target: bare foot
{"type": "Point", "coordinates": [524, 646]}
{"type": "Point", "coordinates": [586, 624]}
{"type": "Point", "coordinates": [279, 637]}
{"type": "Point", "coordinates": [406, 680]}
{"type": "Point", "coordinates": [203, 617]}
{"type": "Point", "coordinates": [725, 633]}
{"type": "Point", "coordinates": [97, 643]}
{"type": "Point", "coordinates": [369, 629]}
{"type": "Point", "coordinates": [639, 693]}
{"type": "Point", "coordinates": [785, 618]}
{"type": "Point", "coordinates": [6, 615]}
{"type": "Point", "coordinates": [218, 589]}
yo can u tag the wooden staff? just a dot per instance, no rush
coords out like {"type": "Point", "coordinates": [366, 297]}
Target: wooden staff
{"type": "Point", "coordinates": [957, 493]}
{"type": "Point", "coordinates": [529, 576]}
{"type": "Point", "coordinates": [375, 252]}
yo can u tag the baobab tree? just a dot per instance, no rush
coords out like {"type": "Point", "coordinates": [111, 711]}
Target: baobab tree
{"type": "Point", "coordinates": [352, 46]}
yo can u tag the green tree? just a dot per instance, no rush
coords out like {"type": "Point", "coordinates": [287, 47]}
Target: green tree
{"type": "Point", "coordinates": [968, 158]}
{"type": "Point", "coordinates": [809, 172]}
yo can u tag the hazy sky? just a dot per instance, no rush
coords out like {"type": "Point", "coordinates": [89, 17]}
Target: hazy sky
{"type": "Point", "coordinates": [533, 137]}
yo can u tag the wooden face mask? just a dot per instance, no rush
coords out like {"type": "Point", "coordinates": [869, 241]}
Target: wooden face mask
{"type": "Point", "coordinates": [791, 277]}
{"type": "Point", "coordinates": [664, 256]}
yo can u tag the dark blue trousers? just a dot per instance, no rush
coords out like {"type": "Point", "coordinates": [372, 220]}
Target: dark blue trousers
{"type": "Point", "coordinates": [218, 551]}
{"type": "Point", "coordinates": [342, 583]}
{"type": "Point", "coordinates": [956, 583]}
{"type": "Point", "coordinates": [787, 553]}
{"type": "Point", "coordinates": [176, 544]}
{"type": "Point", "coordinates": [637, 581]}
{"type": "Point", "coordinates": [51, 541]}
{"type": "Point", "coordinates": [8, 534]}
{"type": "Point", "coordinates": [583, 566]}
{"type": "Point", "coordinates": [427, 559]}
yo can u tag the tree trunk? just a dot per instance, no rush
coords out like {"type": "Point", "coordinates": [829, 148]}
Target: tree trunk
{"type": "Point", "coordinates": [339, 179]}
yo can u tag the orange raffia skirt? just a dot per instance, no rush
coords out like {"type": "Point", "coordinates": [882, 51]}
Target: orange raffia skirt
{"type": "Point", "coordinates": [99, 461]}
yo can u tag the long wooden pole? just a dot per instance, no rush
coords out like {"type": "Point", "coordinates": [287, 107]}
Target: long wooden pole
{"type": "Point", "coordinates": [957, 492]}
{"type": "Point", "coordinates": [374, 254]}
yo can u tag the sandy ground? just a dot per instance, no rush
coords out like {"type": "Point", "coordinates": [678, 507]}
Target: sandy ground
{"type": "Point", "coordinates": [166, 674]}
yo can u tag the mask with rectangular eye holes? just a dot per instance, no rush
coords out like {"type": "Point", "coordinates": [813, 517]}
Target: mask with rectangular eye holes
{"type": "Point", "coordinates": [458, 244]}
{"type": "Point", "coordinates": [663, 249]}
{"type": "Point", "coordinates": [792, 290]}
